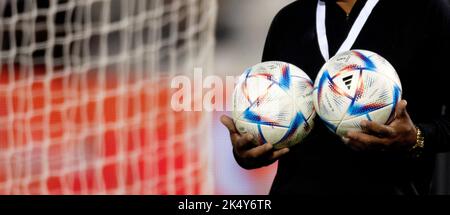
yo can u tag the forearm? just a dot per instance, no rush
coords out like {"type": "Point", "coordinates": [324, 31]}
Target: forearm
{"type": "Point", "coordinates": [436, 134]}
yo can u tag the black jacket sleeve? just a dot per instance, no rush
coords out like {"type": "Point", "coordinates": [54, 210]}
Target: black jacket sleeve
{"type": "Point", "coordinates": [273, 38]}
{"type": "Point", "coordinates": [437, 129]}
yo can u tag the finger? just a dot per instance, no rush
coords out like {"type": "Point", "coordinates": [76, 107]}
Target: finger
{"type": "Point", "coordinates": [259, 151]}
{"type": "Point", "coordinates": [355, 145]}
{"type": "Point", "coordinates": [360, 146]}
{"type": "Point", "coordinates": [228, 122]}
{"type": "Point", "coordinates": [345, 140]}
{"type": "Point", "coordinates": [365, 138]}
{"type": "Point", "coordinates": [400, 110]}
{"type": "Point", "coordinates": [234, 135]}
{"type": "Point", "coordinates": [244, 142]}
{"type": "Point", "coordinates": [279, 153]}
{"type": "Point", "coordinates": [377, 129]}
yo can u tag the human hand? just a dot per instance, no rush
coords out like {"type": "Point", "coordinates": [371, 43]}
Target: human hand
{"type": "Point", "coordinates": [250, 154]}
{"type": "Point", "coordinates": [399, 135]}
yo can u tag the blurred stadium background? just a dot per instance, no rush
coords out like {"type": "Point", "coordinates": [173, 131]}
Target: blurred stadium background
{"type": "Point", "coordinates": [241, 33]}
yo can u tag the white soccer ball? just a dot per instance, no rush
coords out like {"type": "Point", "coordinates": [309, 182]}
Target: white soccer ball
{"type": "Point", "coordinates": [273, 102]}
{"type": "Point", "coordinates": [353, 86]}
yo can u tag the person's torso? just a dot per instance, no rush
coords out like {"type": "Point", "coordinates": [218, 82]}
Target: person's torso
{"type": "Point", "coordinates": [322, 163]}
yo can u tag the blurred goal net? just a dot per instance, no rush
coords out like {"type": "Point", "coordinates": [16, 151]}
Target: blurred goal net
{"type": "Point", "coordinates": [85, 97]}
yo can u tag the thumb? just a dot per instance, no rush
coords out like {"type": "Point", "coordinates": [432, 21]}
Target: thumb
{"type": "Point", "coordinates": [228, 122]}
{"type": "Point", "coordinates": [400, 110]}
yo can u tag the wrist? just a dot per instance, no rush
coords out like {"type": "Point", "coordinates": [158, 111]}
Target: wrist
{"type": "Point", "coordinates": [417, 149]}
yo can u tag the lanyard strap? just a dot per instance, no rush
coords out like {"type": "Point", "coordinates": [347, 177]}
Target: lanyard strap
{"type": "Point", "coordinates": [352, 35]}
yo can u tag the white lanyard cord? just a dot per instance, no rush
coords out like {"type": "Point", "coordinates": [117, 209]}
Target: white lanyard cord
{"type": "Point", "coordinates": [352, 35]}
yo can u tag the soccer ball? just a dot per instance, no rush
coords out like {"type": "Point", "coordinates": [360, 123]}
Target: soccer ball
{"type": "Point", "coordinates": [353, 86]}
{"type": "Point", "coordinates": [273, 102]}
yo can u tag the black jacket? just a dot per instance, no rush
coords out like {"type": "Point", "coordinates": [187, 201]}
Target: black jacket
{"type": "Point", "coordinates": [415, 39]}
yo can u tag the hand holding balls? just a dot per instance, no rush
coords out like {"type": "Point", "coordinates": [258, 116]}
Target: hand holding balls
{"type": "Point", "coordinates": [273, 102]}
{"type": "Point", "coordinates": [354, 86]}
{"type": "Point", "coordinates": [276, 102]}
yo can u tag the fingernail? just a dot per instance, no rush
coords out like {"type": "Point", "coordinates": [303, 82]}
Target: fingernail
{"type": "Point", "coordinates": [345, 140]}
{"type": "Point", "coordinates": [346, 134]}
{"type": "Point", "coordinates": [349, 134]}
{"type": "Point", "coordinates": [286, 150]}
{"type": "Point", "coordinates": [222, 118]}
{"type": "Point", "coordinates": [269, 145]}
{"type": "Point", "coordinates": [363, 124]}
{"type": "Point", "coordinates": [249, 137]}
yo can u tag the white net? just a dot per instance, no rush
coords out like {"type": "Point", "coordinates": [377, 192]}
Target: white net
{"type": "Point", "coordinates": [85, 97]}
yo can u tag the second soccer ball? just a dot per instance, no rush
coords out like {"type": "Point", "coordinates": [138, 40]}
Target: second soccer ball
{"type": "Point", "coordinates": [354, 86]}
